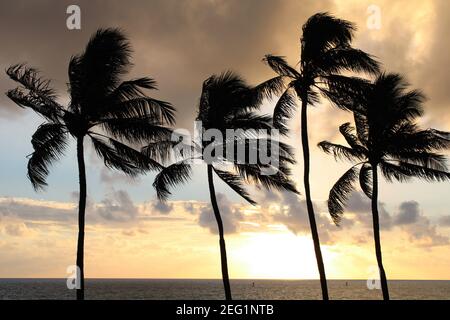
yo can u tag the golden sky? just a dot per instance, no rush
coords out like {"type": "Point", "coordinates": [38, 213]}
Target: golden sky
{"type": "Point", "coordinates": [180, 43]}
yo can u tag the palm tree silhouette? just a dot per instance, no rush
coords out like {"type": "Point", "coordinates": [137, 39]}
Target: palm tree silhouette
{"type": "Point", "coordinates": [325, 53]}
{"type": "Point", "coordinates": [227, 102]}
{"type": "Point", "coordinates": [386, 138]}
{"type": "Point", "coordinates": [110, 112]}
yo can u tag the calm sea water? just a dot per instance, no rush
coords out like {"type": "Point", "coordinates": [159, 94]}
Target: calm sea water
{"type": "Point", "coordinates": [212, 289]}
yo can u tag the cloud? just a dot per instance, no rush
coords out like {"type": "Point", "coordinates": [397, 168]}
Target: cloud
{"type": "Point", "coordinates": [110, 177]}
{"type": "Point", "coordinates": [444, 221]}
{"type": "Point", "coordinates": [179, 43]}
{"type": "Point", "coordinates": [117, 206]}
{"type": "Point", "coordinates": [16, 229]}
{"type": "Point", "coordinates": [408, 213]}
{"type": "Point", "coordinates": [419, 228]}
{"type": "Point", "coordinates": [359, 205]}
{"type": "Point", "coordinates": [290, 210]}
{"type": "Point", "coordinates": [117, 210]}
{"type": "Point", "coordinates": [162, 207]}
{"type": "Point", "coordinates": [33, 210]}
{"type": "Point", "coordinates": [129, 233]}
{"type": "Point", "coordinates": [230, 216]}
{"type": "Point", "coordinates": [408, 219]}
{"type": "Point", "coordinates": [292, 213]}
{"type": "Point", "coordinates": [430, 75]}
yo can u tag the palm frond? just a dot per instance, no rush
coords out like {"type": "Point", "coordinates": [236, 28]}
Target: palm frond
{"type": "Point", "coordinates": [393, 172]}
{"type": "Point", "coordinates": [270, 88]}
{"type": "Point", "coordinates": [97, 72]}
{"type": "Point", "coordinates": [254, 173]}
{"type": "Point", "coordinates": [442, 135]}
{"type": "Point", "coordinates": [160, 151]}
{"type": "Point", "coordinates": [224, 96]}
{"type": "Point", "coordinates": [138, 159]}
{"type": "Point", "coordinates": [347, 132]}
{"type": "Point", "coordinates": [250, 120]}
{"type": "Point", "coordinates": [234, 182]}
{"type": "Point", "coordinates": [136, 130]}
{"type": "Point", "coordinates": [131, 89]}
{"type": "Point", "coordinates": [49, 143]}
{"type": "Point", "coordinates": [413, 140]}
{"type": "Point", "coordinates": [410, 104]}
{"type": "Point", "coordinates": [29, 78]}
{"type": "Point", "coordinates": [426, 159]}
{"type": "Point", "coordinates": [365, 179]}
{"type": "Point", "coordinates": [341, 152]}
{"type": "Point", "coordinates": [402, 171]}
{"type": "Point", "coordinates": [346, 58]}
{"type": "Point", "coordinates": [321, 32]}
{"type": "Point", "coordinates": [346, 93]}
{"type": "Point", "coordinates": [171, 176]}
{"type": "Point", "coordinates": [280, 66]}
{"type": "Point", "coordinates": [340, 193]}
{"type": "Point", "coordinates": [34, 92]}
{"type": "Point", "coordinates": [141, 107]}
{"type": "Point", "coordinates": [113, 158]}
{"type": "Point", "coordinates": [362, 128]}
{"type": "Point", "coordinates": [284, 110]}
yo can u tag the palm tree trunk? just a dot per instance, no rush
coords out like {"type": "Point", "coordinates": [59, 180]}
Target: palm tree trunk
{"type": "Point", "coordinates": [81, 217]}
{"type": "Point", "coordinates": [223, 251]}
{"type": "Point", "coordinates": [376, 233]}
{"type": "Point", "coordinates": [309, 204]}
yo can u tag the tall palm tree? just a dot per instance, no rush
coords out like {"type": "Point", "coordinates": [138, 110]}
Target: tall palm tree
{"type": "Point", "coordinates": [109, 112]}
{"type": "Point", "coordinates": [227, 102]}
{"type": "Point", "coordinates": [388, 138]}
{"type": "Point", "coordinates": [325, 53]}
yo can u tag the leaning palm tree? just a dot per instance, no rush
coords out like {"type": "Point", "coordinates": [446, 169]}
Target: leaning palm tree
{"type": "Point", "coordinates": [387, 138]}
{"type": "Point", "coordinates": [325, 53]}
{"type": "Point", "coordinates": [111, 113]}
{"type": "Point", "coordinates": [227, 102]}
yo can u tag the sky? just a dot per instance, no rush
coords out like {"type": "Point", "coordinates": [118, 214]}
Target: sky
{"type": "Point", "coordinates": [180, 44]}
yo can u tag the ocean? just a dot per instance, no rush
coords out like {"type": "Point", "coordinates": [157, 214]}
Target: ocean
{"type": "Point", "coordinates": [168, 289]}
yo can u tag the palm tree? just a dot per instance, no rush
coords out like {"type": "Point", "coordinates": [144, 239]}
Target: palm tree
{"type": "Point", "coordinates": [227, 102]}
{"type": "Point", "coordinates": [109, 112]}
{"type": "Point", "coordinates": [325, 53]}
{"type": "Point", "coordinates": [386, 138]}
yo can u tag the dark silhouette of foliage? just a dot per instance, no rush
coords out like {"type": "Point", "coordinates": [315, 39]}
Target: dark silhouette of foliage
{"type": "Point", "coordinates": [326, 52]}
{"type": "Point", "coordinates": [112, 113]}
{"type": "Point", "coordinates": [227, 102]}
{"type": "Point", "coordinates": [386, 137]}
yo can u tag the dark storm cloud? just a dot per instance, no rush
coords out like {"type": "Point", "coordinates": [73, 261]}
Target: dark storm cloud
{"type": "Point", "coordinates": [179, 43]}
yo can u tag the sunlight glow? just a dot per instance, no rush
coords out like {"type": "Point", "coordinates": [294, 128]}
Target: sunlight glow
{"type": "Point", "coordinates": [276, 256]}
